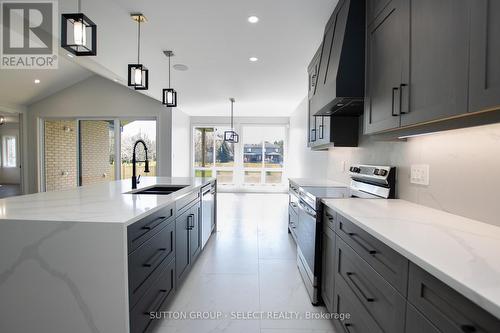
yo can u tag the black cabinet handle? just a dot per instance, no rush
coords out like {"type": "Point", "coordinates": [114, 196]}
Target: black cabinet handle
{"type": "Point", "coordinates": [468, 329]}
{"type": "Point", "coordinates": [361, 242]}
{"type": "Point", "coordinates": [329, 217]}
{"type": "Point", "coordinates": [156, 303]}
{"type": "Point", "coordinates": [401, 86]}
{"type": "Point", "coordinates": [346, 326]}
{"type": "Point", "coordinates": [394, 89]}
{"type": "Point", "coordinates": [351, 276]}
{"type": "Point", "coordinates": [152, 225]}
{"type": "Point", "coordinates": [189, 220]}
{"type": "Point", "coordinates": [154, 258]}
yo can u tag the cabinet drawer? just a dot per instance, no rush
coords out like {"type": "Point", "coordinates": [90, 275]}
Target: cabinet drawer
{"type": "Point", "coordinates": [381, 300]}
{"type": "Point", "coordinates": [448, 310]}
{"type": "Point", "coordinates": [146, 262]}
{"type": "Point", "coordinates": [142, 230]}
{"type": "Point", "coordinates": [360, 320]}
{"type": "Point", "coordinates": [329, 217]}
{"type": "Point", "coordinates": [185, 202]}
{"type": "Point", "coordinates": [159, 294]}
{"type": "Point", "coordinates": [416, 323]}
{"type": "Point", "coordinates": [387, 262]}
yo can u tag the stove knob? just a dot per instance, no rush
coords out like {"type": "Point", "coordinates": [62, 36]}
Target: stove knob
{"type": "Point", "coordinates": [383, 173]}
{"type": "Point", "coordinates": [376, 172]}
{"type": "Point", "coordinates": [352, 169]}
{"type": "Point", "coordinates": [355, 169]}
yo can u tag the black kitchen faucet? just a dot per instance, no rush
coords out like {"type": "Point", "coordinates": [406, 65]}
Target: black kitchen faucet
{"type": "Point", "coordinates": [135, 180]}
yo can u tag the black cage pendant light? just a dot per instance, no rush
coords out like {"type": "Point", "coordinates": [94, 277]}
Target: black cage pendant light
{"type": "Point", "coordinates": [78, 33]}
{"type": "Point", "coordinates": [138, 74]}
{"type": "Point", "coordinates": [231, 136]}
{"type": "Point", "coordinates": [169, 94]}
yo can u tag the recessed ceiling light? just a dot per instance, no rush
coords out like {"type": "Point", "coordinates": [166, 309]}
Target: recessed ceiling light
{"type": "Point", "coordinates": [180, 67]}
{"type": "Point", "coordinates": [253, 19]}
{"type": "Point", "coordinates": [36, 81]}
{"type": "Point", "coordinates": [253, 59]}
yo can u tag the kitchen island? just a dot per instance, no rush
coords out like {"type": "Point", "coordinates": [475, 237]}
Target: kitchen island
{"type": "Point", "coordinates": [89, 259]}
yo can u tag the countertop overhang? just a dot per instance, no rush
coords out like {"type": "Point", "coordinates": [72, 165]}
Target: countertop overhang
{"type": "Point", "coordinates": [461, 252]}
{"type": "Point", "coordinates": [105, 202]}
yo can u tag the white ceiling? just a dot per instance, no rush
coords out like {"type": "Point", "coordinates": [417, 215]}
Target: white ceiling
{"type": "Point", "coordinates": [214, 39]}
{"type": "Point", "coordinates": [18, 88]}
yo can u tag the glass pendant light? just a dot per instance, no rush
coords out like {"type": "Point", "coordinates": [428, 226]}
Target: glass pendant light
{"type": "Point", "coordinates": [231, 136]}
{"type": "Point", "coordinates": [138, 74]}
{"type": "Point", "coordinates": [169, 94]}
{"type": "Point", "coordinates": [78, 33]}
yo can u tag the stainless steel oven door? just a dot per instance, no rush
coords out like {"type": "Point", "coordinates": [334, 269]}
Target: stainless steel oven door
{"type": "Point", "coordinates": [306, 248]}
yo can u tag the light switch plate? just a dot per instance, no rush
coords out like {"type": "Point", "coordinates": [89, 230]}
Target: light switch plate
{"type": "Point", "coordinates": [420, 174]}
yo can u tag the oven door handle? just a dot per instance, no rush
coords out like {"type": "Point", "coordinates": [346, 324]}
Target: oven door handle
{"type": "Point", "coordinates": [306, 210]}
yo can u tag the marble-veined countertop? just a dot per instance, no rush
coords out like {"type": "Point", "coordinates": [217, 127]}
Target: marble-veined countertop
{"type": "Point", "coordinates": [461, 252]}
{"type": "Point", "coordinates": [106, 202]}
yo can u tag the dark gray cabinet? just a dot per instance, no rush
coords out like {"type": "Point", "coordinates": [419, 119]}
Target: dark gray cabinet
{"type": "Point", "coordinates": [313, 71]}
{"type": "Point", "coordinates": [449, 311]}
{"type": "Point", "coordinates": [387, 67]}
{"type": "Point", "coordinates": [439, 58]}
{"type": "Point", "coordinates": [484, 86]}
{"type": "Point", "coordinates": [182, 248]}
{"type": "Point", "coordinates": [328, 267]}
{"type": "Point", "coordinates": [373, 8]}
{"type": "Point", "coordinates": [383, 303]}
{"type": "Point", "coordinates": [188, 240]}
{"type": "Point", "coordinates": [417, 323]}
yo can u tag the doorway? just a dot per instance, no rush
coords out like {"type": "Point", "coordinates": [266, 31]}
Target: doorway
{"type": "Point", "coordinates": [10, 155]}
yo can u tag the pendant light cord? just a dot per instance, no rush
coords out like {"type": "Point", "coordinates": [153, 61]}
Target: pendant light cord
{"type": "Point", "coordinates": [79, 6]}
{"type": "Point", "coordinates": [232, 103]}
{"type": "Point", "coordinates": [169, 71]}
{"type": "Point", "coordinates": [139, 40]}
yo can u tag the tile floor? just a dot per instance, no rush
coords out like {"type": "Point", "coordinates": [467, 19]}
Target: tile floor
{"type": "Point", "coordinates": [248, 265]}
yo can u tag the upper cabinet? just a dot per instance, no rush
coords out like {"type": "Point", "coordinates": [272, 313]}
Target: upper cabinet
{"type": "Point", "coordinates": [429, 61]}
{"type": "Point", "coordinates": [387, 72]}
{"type": "Point", "coordinates": [484, 90]}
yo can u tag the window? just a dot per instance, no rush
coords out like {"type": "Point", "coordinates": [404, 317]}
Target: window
{"type": "Point", "coordinates": [213, 157]}
{"type": "Point", "coordinates": [9, 153]}
{"type": "Point", "coordinates": [263, 150]}
{"type": "Point", "coordinates": [131, 131]}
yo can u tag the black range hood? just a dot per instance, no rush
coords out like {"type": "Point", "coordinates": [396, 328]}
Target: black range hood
{"type": "Point", "coordinates": [340, 81]}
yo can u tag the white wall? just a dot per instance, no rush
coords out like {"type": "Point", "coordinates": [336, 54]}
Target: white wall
{"type": "Point", "coordinates": [303, 162]}
{"type": "Point", "coordinates": [463, 169]}
{"type": "Point", "coordinates": [181, 144]}
{"type": "Point", "coordinates": [100, 98]}
{"type": "Point", "coordinates": [10, 175]}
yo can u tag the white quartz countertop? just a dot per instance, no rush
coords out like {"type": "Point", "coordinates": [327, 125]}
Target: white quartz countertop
{"type": "Point", "coordinates": [461, 252]}
{"type": "Point", "coordinates": [106, 202]}
{"type": "Point", "coordinates": [316, 182]}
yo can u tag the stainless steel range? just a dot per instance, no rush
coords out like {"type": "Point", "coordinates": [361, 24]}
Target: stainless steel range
{"type": "Point", "coordinates": [305, 225]}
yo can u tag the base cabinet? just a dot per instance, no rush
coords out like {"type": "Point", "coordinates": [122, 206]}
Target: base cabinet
{"type": "Point", "coordinates": [362, 288]}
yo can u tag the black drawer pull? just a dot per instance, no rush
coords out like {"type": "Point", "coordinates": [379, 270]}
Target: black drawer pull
{"type": "Point", "coordinates": [329, 217]}
{"type": "Point", "coordinates": [346, 326]}
{"type": "Point", "coordinates": [151, 225]}
{"type": "Point", "coordinates": [189, 225]}
{"type": "Point", "coordinates": [468, 329]}
{"type": "Point", "coordinates": [154, 258]}
{"type": "Point", "coordinates": [155, 305]}
{"type": "Point", "coordinates": [350, 275]}
{"type": "Point", "coordinates": [361, 242]}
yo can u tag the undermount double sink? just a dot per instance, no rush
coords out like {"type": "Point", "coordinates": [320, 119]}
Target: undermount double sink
{"type": "Point", "coordinates": [159, 189]}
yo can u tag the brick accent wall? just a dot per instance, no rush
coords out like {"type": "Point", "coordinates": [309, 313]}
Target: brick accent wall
{"type": "Point", "coordinates": [60, 154]}
{"type": "Point", "coordinates": [95, 144]}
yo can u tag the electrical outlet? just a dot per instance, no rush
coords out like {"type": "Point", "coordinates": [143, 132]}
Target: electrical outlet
{"type": "Point", "coordinates": [420, 174]}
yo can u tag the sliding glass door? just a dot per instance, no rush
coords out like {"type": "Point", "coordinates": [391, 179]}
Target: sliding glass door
{"type": "Point", "coordinates": [79, 152]}
{"type": "Point", "coordinates": [256, 162]}
{"type": "Point", "coordinates": [213, 157]}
